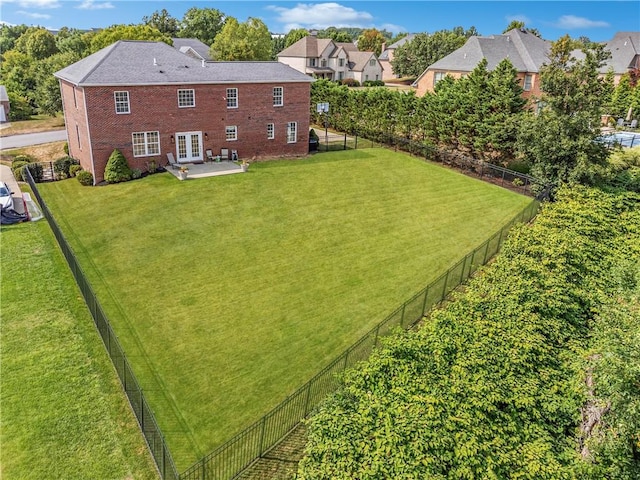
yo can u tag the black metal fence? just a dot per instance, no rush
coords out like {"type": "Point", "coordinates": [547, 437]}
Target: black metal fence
{"type": "Point", "coordinates": [242, 450]}
{"type": "Point", "coordinates": [516, 181]}
{"type": "Point", "coordinates": [235, 455]}
{"type": "Point", "coordinates": [139, 405]}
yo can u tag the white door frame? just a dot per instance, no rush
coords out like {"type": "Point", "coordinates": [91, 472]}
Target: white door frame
{"type": "Point", "coordinates": [189, 147]}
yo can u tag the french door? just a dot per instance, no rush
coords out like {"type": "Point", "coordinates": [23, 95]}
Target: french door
{"type": "Point", "coordinates": [189, 147]}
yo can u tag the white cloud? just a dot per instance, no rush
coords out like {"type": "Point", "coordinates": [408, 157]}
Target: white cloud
{"type": "Point", "coordinates": [571, 21]}
{"type": "Point", "coordinates": [321, 15]}
{"type": "Point", "coordinates": [518, 18]}
{"type": "Point", "coordinates": [33, 15]}
{"type": "Point", "coordinates": [91, 5]}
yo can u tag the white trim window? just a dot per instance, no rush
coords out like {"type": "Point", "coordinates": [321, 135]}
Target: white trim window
{"type": "Point", "coordinates": [528, 83]}
{"type": "Point", "coordinates": [231, 133]}
{"type": "Point", "coordinates": [278, 96]}
{"type": "Point", "coordinates": [271, 131]}
{"type": "Point", "coordinates": [292, 132]}
{"type": "Point", "coordinates": [186, 98]}
{"type": "Point", "coordinates": [145, 144]}
{"type": "Point", "coordinates": [341, 62]}
{"type": "Point", "coordinates": [122, 102]}
{"type": "Point", "coordinates": [232, 98]}
{"type": "Point", "coordinates": [437, 76]}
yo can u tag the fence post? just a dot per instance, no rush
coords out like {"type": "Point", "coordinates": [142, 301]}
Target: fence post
{"type": "Point", "coordinates": [464, 265]}
{"type": "Point", "coordinates": [345, 141]}
{"type": "Point", "coordinates": [486, 252]}
{"type": "Point", "coordinates": [356, 147]}
{"type": "Point", "coordinates": [424, 302]}
{"type": "Point", "coordinates": [444, 288]}
{"type": "Point", "coordinates": [264, 426]}
{"type": "Point", "coordinates": [306, 402]}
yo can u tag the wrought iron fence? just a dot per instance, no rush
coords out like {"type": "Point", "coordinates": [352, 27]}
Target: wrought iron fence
{"type": "Point", "coordinates": [235, 455]}
{"type": "Point", "coordinates": [139, 405]}
{"type": "Point", "coordinates": [517, 181]}
{"type": "Point", "coordinates": [231, 458]}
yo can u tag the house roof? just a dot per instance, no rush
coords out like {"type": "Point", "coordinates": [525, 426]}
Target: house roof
{"type": "Point", "coordinates": [624, 48]}
{"type": "Point", "coordinates": [347, 46]}
{"type": "Point", "coordinates": [307, 47]}
{"type": "Point", "coordinates": [358, 60]}
{"type": "Point", "coordinates": [526, 52]}
{"type": "Point", "coordinates": [128, 62]}
{"type": "Point", "coordinates": [192, 47]}
{"type": "Point", "coordinates": [385, 55]}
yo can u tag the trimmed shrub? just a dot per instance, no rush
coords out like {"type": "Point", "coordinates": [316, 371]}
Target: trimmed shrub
{"type": "Point", "coordinates": [373, 83]}
{"type": "Point", "coordinates": [85, 178]}
{"type": "Point", "coordinates": [66, 147]}
{"type": "Point", "coordinates": [22, 158]}
{"type": "Point", "coordinates": [62, 165]}
{"type": "Point", "coordinates": [350, 82]}
{"type": "Point", "coordinates": [16, 168]}
{"type": "Point", "coordinates": [36, 171]}
{"type": "Point", "coordinates": [74, 169]}
{"type": "Point", "coordinates": [136, 173]}
{"type": "Point", "coordinates": [117, 169]}
{"type": "Point", "coordinates": [152, 167]}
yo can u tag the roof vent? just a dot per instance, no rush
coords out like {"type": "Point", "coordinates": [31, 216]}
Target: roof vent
{"type": "Point", "coordinates": [203, 63]}
{"type": "Point", "coordinates": [155, 62]}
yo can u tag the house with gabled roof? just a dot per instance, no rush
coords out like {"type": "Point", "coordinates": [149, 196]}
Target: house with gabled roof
{"type": "Point", "coordinates": [625, 55]}
{"type": "Point", "coordinates": [526, 52]}
{"type": "Point", "coordinates": [148, 99]}
{"type": "Point", "coordinates": [324, 58]}
{"type": "Point", "coordinates": [387, 55]}
{"type": "Point", "coordinates": [192, 47]}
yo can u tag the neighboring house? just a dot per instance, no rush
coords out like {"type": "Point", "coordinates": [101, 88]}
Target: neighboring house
{"type": "Point", "coordinates": [192, 47]}
{"type": "Point", "coordinates": [625, 54]}
{"type": "Point", "coordinates": [324, 58]}
{"type": "Point", "coordinates": [147, 99]}
{"type": "Point", "coordinates": [526, 52]}
{"type": "Point", "coordinates": [4, 105]}
{"type": "Point", "coordinates": [387, 55]}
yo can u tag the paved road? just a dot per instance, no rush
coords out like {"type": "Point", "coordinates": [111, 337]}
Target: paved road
{"type": "Point", "coordinates": [26, 139]}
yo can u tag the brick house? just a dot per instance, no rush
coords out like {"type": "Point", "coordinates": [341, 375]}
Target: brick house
{"type": "Point", "coordinates": [387, 55]}
{"type": "Point", "coordinates": [526, 52]}
{"type": "Point", "coordinates": [324, 58]}
{"type": "Point", "coordinates": [147, 99]}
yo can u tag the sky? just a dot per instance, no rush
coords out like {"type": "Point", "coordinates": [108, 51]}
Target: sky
{"type": "Point", "coordinates": [597, 20]}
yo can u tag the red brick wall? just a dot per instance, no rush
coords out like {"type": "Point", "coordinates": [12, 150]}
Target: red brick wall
{"type": "Point", "coordinates": [75, 123]}
{"type": "Point", "coordinates": [155, 108]}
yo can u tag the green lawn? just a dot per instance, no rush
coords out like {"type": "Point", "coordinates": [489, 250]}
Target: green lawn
{"type": "Point", "coordinates": [230, 292]}
{"type": "Point", "coordinates": [62, 411]}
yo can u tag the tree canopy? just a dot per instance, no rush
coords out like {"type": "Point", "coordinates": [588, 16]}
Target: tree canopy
{"type": "Point", "coordinates": [163, 22]}
{"type": "Point", "coordinates": [249, 40]}
{"type": "Point", "coordinates": [371, 40]}
{"type": "Point", "coordinates": [114, 33]}
{"type": "Point", "coordinates": [202, 23]}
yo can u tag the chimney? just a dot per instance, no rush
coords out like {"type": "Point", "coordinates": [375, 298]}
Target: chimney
{"type": "Point", "coordinates": [313, 33]}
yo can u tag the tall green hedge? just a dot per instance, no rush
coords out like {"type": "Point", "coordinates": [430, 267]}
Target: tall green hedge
{"type": "Point", "coordinates": [494, 385]}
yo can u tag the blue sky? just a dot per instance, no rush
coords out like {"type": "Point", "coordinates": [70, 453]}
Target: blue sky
{"type": "Point", "coordinates": [598, 20]}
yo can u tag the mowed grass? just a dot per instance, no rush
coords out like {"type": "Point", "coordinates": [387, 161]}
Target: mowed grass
{"type": "Point", "coordinates": [63, 413]}
{"type": "Point", "coordinates": [230, 292]}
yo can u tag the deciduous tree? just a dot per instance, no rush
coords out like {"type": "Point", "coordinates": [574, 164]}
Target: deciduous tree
{"type": "Point", "coordinates": [371, 40]}
{"type": "Point", "coordinates": [162, 21]}
{"type": "Point", "coordinates": [250, 40]}
{"type": "Point", "coordinates": [127, 32]}
{"type": "Point", "coordinates": [202, 23]}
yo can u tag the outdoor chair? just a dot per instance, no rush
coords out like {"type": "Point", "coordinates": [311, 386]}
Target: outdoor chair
{"type": "Point", "coordinates": [210, 157]}
{"type": "Point", "coordinates": [634, 123]}
{"type": "Point", "coordinates": [620, 122]}
{"type": "Point", "coordinates": [224, 153]}
{"type": "Point", "coordinates": [172, 161]}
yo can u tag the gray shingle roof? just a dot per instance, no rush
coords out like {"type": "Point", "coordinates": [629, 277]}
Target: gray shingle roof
{"type": "Point", "coordinates": [185, 44]}
{"type": "Point", "coordinates": [526, 52]}
{"type": "Point", "coordinates": [358, 60]}
{"type": "Point", "coordinates": [307, 47]}
{"type": "Point", "coordinates": [623, 47]}
{"type": "Point", "coordinates": [128, 62]}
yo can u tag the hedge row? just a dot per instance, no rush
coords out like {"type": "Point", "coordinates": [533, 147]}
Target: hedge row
{"type": "Point", "coordinates": [495, 384]}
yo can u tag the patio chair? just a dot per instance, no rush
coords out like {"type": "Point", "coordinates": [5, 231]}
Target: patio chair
{"type": "Point", "coordinates": [620, 122]}
{"type": "Point", "coordinates": [210, 157]}
{"type": "Point", "coordinates": [224, 153]}
{"type": "Point", "coordinates": [172, 161]}
{"type": "Point", "coordinates": [634, 123]}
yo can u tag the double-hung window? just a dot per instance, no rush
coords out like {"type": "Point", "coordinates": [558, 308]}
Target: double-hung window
{"type": "Point", "coordinates": [186, 98]}
{"type": "Point", "coordinates": [231, 133]}
{"type": "Point", "coordinates": [341, 62]}
{"type": "Point", "coordinates": [271, 133]}
{"type": "Point", "coordinates": [292, 132]}
{"type": "Point", "coordinates": [437, 76]}
{"type": "Point", "coordinates": [278, 96]}
{"type": "Point", "coordinates": [232, 98]}
{"type": "Point", "coordinates": [145, 144]}
{"type": "Point", "coordinates": [122, 102]}
{"type": "Point", "coordinates": [528, 83]}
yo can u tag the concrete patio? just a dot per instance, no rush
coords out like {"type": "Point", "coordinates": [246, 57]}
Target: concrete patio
{"type": "Point", "coordinates": [207, 169]}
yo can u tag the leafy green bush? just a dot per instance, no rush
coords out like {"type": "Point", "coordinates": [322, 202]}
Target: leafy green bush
{"type": "Point", "coordinates": [62, 165]}
{"type": "Point", "coordinates": [66, 148]}
{"type": "Point", "coordinates": [16, 168]}
{"type": "Point", "coordinates": [85, 178]}
{"type": "Point", "coordinates": [23, 158]}
{"type": "Point", "coordinates": [152, 167]}
{"type": "Point", "coordinates": [74, 169]}
{"type": "Point", "coordinates": [117, 169]}
{"type": "Point", "coordinates": [494, 385]}
{"type": "Point", "coordinates": [350, 82]}
{"type": "Point", "coordinates": [136, 173]}
{"type": "Point", "coordinates": [373, 83]}
{"type": "Point", "coordinates": [36, 171]}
